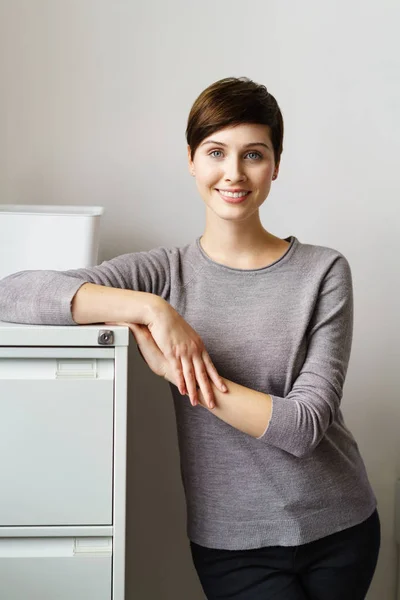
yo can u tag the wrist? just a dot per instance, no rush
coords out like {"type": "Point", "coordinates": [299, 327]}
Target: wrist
{"type": "Point", "coordinates": [154, 305]}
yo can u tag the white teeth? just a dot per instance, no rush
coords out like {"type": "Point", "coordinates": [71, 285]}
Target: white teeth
{"type": "Point", "coordinates": [233, 194]}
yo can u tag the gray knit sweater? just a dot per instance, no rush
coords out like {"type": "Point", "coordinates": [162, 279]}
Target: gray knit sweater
{"type": "Point", "coordinates": [286, 330]}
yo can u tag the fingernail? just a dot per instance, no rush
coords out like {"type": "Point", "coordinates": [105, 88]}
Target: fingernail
{"type": "Point", "coordinates": [224, 388]}
{"type": "Point", "coordinates": [211, 405]}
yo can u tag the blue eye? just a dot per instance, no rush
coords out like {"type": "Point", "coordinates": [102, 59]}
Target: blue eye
{"type": "Point", "coordinates": [213, 152]}
{"type": "Point", "coordinates": [257, 154]}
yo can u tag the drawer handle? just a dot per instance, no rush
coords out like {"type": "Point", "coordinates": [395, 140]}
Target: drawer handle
{"type": "Point", "coordinates": [93, 546]}
{"type": "Point", "coordinates": [76, 369]}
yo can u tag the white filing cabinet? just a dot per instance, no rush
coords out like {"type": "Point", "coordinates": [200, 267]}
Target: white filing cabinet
{"type": "Point", "coordinates": [63, 395]}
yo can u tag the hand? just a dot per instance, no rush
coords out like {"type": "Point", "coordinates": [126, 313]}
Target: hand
{"type": "Point", "coordinates": [151, 353]}
{"type": "Point", "coordinates": [185, 351]}
{"type": "Point", "coordinates": [183, 348]}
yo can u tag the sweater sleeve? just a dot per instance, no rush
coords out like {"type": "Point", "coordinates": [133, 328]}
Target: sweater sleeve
{"type": "Point", "coordinates": [299, 421]}
{"type": "Point", "coordinates": [45, 297]}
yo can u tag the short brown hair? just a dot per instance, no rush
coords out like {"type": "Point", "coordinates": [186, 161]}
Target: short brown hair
{"type": "Point", "coordinates": [234, 101]}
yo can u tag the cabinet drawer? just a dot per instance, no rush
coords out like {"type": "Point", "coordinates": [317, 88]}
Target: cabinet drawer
{"type": "Point", "coordinates": [56, 568]}
{"type": "Point", "coordinates": [56, 441]}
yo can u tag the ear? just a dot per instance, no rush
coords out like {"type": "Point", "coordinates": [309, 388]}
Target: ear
{"type": "Point", "coordinates": [276, 171]}
{"type": "Point", "coordinates": [190, 162]}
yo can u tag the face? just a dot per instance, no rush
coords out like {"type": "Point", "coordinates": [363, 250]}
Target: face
{"type": "Point", "coordinates": [234, 168]}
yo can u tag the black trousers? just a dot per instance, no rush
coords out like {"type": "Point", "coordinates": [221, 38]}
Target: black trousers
{"type": "Point", "coordinates": [337, 567]}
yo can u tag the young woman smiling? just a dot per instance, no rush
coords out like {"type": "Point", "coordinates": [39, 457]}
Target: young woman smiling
{"type": "Point", "coordinates": [257, 331]}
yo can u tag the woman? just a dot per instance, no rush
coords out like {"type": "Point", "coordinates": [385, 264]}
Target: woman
{"type": "Point", "coordinates": [278, 500]}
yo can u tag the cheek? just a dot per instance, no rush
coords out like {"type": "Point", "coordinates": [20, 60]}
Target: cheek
{"type": "Point", "coordinates": [207, 175]}
{"type": "Point", "coordinates": [265, 175]}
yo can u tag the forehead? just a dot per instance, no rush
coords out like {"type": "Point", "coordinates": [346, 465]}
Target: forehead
{"type": "Point", "coordinates": [245, 133]}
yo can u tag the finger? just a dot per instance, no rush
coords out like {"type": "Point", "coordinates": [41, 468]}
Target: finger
{"type": "Point", "coordinates": [212, 372]}
{"type": "Point", "coordinates": [141, 331]}
{"type": "Point", "coordinates": [190, 380]}
{"type": "Point", "coordinates": [134, 328]}
{"type": "Point", "coordinates": [136, 331]}
{"type": "Point", "coordinates": [178, 374]}
{"type": "Point", "coordinates": [204, 382]}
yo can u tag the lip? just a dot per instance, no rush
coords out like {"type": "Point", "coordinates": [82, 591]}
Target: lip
{"type": "Point", "coordinates": [233, 200]}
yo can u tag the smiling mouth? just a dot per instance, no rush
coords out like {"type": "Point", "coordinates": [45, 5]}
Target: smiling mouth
{"type": "Point", "coordinates": [234, 195]}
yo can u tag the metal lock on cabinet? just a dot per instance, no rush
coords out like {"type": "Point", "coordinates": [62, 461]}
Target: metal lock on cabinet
{"type": "Point", "coordinates": [106, 337]}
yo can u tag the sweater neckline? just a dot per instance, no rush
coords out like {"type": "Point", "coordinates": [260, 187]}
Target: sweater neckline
{"type": "Point", "coordinates": [293, 241]}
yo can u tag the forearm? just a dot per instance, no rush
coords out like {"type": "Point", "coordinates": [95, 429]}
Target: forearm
{"type": "Point", "coordinates": [243, 408]}
{"type": "Point", "coordinates": [95, 303]}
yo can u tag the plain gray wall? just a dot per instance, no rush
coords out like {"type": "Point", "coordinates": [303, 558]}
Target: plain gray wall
{"type": "Point", "coordinates": [93, 106]}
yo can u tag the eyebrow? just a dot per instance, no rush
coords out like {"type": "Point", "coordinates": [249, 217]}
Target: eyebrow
{"type": "Point", "coordinates": [245, 146]}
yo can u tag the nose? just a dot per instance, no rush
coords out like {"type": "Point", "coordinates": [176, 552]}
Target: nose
{"type": "Point", "coordinates": [234, 170]}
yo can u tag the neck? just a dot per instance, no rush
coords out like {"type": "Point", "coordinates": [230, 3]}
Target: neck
{"type": "Point", "coordinates": [239, 240]}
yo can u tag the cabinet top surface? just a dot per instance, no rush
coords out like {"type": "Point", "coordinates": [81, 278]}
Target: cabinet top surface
{"type": "Point", "coordinates": [18, 334]}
